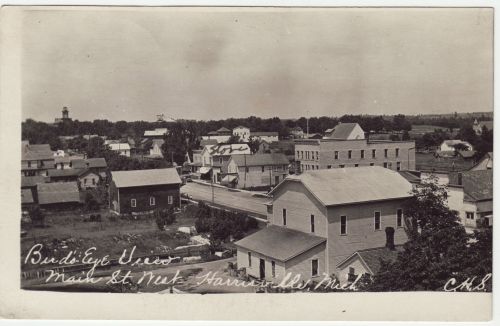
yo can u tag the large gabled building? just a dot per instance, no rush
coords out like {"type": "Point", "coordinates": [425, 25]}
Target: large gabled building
{"type": "Point", "coordinates": [36, 159]}
{"type": "Point", "coordinates": [320, 218]}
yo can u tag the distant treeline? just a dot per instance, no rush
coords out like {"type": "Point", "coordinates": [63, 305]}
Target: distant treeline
{"type": "Point", "coordinates": [41, 132]}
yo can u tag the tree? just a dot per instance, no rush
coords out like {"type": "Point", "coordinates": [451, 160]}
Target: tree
{"type": "Point", "coordinates": [399, 122]}
{"type": "Point", "coordinates": [90, 203]}
{"type": "Point", "coordinates": [234, 139]}
{"type": "Point", "coordinates": [406, 135]}
{"type": "Point", "coordinates": [254, 144]}
{"type": "Point", "coordinates": [438, 247]}
{"type": "Point", "coordinates": [164, 217]}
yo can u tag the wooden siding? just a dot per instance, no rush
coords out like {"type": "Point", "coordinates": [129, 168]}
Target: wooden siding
{"type": "Point", "coordinates": [123, 196]}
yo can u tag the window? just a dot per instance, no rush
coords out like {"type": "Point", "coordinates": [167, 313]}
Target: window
{"type": "Point", "coordinates": [349, 154]}
{"type": "Point", "coordinates": [377, 220]}
{"type": "Point", "coordinates": [397, 152]}
{"type": "Point", "coordinates": [356, 165]}
{"type": "Point", "coordinates": [85, 181]}
{"type": "Point", "coordinates": [314, 267]}
{"type": "Point", "coordinates": [284, 216]}
{"type": "Point", "coordinates": [249, 259]}
{"type": "Point", "coordinates": [317, 155]}
{"type": "Point", "coordinates": [336, 153]}
{"type": "Point", "coordinates": [341, 165]}
{"type": "Point", "coordinates": [298, 156]}
{"type": "Point", "coordinates": [170, 200]}
{"type": "Point", "coordinates": [385, 152]}
{"type": "Point", "coordinates": [372, 164]}
{"type": "Point", "coordinates": [362, 153]}
{"type": "Point", "coordinates": [246, 169]}
{"type": "Point", "coordinates": [374, 153]}
{"type": "Point", "coordinates": [312, 223]}
{"type": "Point", "coordinates": [302, 154]}
{"type": "Point", "coordinates": [273, 268]}
{"type": "Point", "coordinates": [351, 276]}
{"type": "Point", "coordinates": [133, 203]}
{"type": "Point", "coordinates": [269, 209]}
{"type": "Point", "coordinates": [151, 201]}
{"type": "Point", "coordinates": [93, 181]}
{"type": "Point", "coordinates": [343, 225]}
{"type": "Point", "coordinates": [328, 166]}
{"type": "Point", "coordinates": [400, 218]}
{"type": "Point", "coordinates": [469, 215]}
{"type": "Point", "coordinates": [385, 164]}
{"type": "Point", "coordinates": [262, 169]}
{"type": "Point", "coordinates": [398, 166]}
{"type": "Point", "coordinates": [29, 164]}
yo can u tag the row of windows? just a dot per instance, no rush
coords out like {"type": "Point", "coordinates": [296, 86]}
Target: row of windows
{"type": "Point", "coordinates": [314, 266]}
{"type": "Point", "coordinates": [152, 201]}
{"type": "Point", "coordinates": [314, 155]}
{"type": "Point", "coordinates": [343, 221]}
{"type": "Point", "coordinates": [387, 165]}
{"type": "Point", "coordinates": [308, 155]}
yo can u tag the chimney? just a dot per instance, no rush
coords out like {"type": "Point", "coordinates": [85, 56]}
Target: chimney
{"type": "Point", "coordinates": [389, 236]}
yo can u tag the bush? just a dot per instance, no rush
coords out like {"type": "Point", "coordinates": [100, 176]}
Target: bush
{"type": "Point", "coordinates": [164, 217]}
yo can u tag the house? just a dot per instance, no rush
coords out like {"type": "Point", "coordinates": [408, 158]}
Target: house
{"type": "Point", "coordinates": [30, 184]}
{"type": "Point", "coordinates": [157, 133]}
{"type": "Point", "coordinates": [155, 151]}
{"type": "Point", "coordinates": [214, 157]}
{"type": "Point", "coordinates": [296, 132]}
{"type": "Point", "coordinates": [268, 136]}
{"type": "Point", "coordinates": [139, 191]}
{"type": "Point", "coordinates": [264, 147]}
{"type": "Point", "coordinates": [36, 159]}
{"type": "Point", "coordinates": [89, 179]}
{"type": "Point", "coordinates": [319, 218]}
{"type": "Point", "coordinates": [62, 162]}
{"type": "Point", "coordinates": [242, 132]}
{"type": "Point", "coordinates": [65, 175]}
{"type": "Point", "coordinates": [366, 261]}
{"type": "Point", "coordinates": [221, 135]}
{"type": "Point", "coordinates": [451, 145]}
{"type": "Point", "coordinates": [470, 193]}
{"type": "Point", "coordinates": [58, 195]}
{"type": "Point", "coordinates": [121, 148]}
{"type": "Point", "coordinates": [345, 131]}
{"type": "Point", "coordinates": [478, 126]}
{"type": "Point", "coordinates": [256, 171]}
{"type": "Point", "coordinates": [485, 163]}
{"type": "Point", "coordinates": [97, 165]}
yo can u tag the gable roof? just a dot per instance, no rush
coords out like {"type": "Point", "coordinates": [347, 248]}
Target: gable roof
{"type": "Point", "coordinates": [137, 178]}
{"type": "Point", "coordinates": [223, 130]}
{"type": "Point", "coordinates": [488, 157]}
{"type": "Point", "coordinates": [205, 142]}
{"type": "Point", "coordinates": [36, 151]}
{"type": "Point", "coordinates": [65, 173]}
{"type": "Point", "coordinates": [453, 142]}
{"type": "Point", "coordinates": [97, 162]}
{"type": "Point", "coordinates": [280, 243]}
{"type": "Point", "coordinates": [241, 127]}
{"type": "Point", "coordinates": [264, 133]}
{"type": "Point", "coordinates": [352, 185]}
{"type": "Point", "coordinates": [342, 130]}
{"type": "Point", "coordinates": [371, 257]}
{"type": "Point", "coordinates": [477, 184]}
{"type": "Point", "coordinates": [58, 192]}
{"type": "Point", "coordinates": [260, 159]}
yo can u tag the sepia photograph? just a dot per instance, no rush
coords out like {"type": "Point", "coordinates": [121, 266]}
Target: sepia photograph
{"type": "Point", "coordinates": [255, 150]}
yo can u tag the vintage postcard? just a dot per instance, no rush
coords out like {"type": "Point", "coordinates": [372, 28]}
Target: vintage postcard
{"type": "Point", "coordinates": [287, 163]}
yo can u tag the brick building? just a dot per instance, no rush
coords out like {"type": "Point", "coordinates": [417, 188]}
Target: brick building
{"type": "Point", "coordinates": [318, 154]}
{"type": "Point", "coordinates": [144, 190]}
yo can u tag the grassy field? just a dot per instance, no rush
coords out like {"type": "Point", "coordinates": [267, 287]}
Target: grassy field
{"type": "Point", "coordinates": [427, 162]}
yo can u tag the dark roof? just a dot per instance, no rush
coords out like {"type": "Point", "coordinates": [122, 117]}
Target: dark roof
{"type": "Point", "coordinates": [92, 163]}
{"type": "Point", "coordinates": [32, 181]}
{"type": "Point", "coordinates": [260, 159]}
{"type": "Point", "coordinates": [477, 185]}
{"type": "Point", "coordinates": [280, 243]}
{"type": "Point", "coordinates": [343, 186]}
{"type": "Point", "coordinates": [372, 257]}
{"type": "Point", "coordinates": [26, 196]}
{"type": "Point", "coordinates": [283, 145]}
{"type": "Point", "coordinates": [65, 172]}
{"type": "Point", "coordinates": [342, 130]}
{"type": "Point", "coordinates": [223, 130]}
{"type": "Point", "coordinates": [137, 178]}
{"type": "Point", "coordinates": [58, 192]}
{"type": "Point", "coordinates": [467, 154]}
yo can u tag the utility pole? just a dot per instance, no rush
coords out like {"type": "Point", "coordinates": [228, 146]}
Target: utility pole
{"type": "Point", "coordinates": [307, 123]}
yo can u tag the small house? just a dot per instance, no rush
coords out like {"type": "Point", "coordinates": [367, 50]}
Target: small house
{"type": "Point", "coordinates": [139, 191]}
{"type": "Point", "coordinates": [58, 195]}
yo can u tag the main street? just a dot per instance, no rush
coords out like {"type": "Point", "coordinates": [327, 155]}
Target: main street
{"type": "Point", "coordinates": [239, 200]}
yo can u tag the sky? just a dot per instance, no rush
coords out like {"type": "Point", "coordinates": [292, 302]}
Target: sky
{"type": "Point", "coordinates": [216, 63]}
